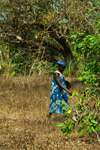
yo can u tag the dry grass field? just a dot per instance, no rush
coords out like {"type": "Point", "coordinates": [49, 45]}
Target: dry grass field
{"type": "Point", "coordinates": [24, 105]}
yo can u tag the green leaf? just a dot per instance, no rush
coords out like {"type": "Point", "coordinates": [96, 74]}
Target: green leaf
{"type": "Point", "coordinates": [79, 120]}
{"type": "Point", "coordinates": [74, 36]}
{"type": "Point", "coordinates": [85, 83]}
{"type": "Point", "coordinates": [80, 78]}
{"type": "Point", "coordinates": [60, 125]}
{"type": "Point", "coordinates": [82, 131]}
{"type": "Point", "coordinates": [93, 129]}
{"type": "Point", "coordinates": [66, 133]}
{"type": "Point", "coordinates": [90, 116]}
{"type": "Point", "coordinates": [13, 73]}
{"type": "Point", "coordinates": [98, 104]}
{"type": "Point", "coordinates": [64, 127]}
{"type": "Point", "coordinates": [84, 121]}
{"type": "Point", "coordinates": [80, 45]}
{"type": "Point", "coordinates": [97, 128]}
{"type": "Point", "coordinates": [70, 127]}
{"type": "Point", "coordinates": [73, 42]}
{"type": "Point", "coordinates": [95, 122]}
{"type": "Point", "coordinates": [81, 34]}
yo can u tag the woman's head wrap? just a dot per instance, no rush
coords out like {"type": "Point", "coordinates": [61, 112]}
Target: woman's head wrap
{"type": "Point", "coordinates": [61, 63]}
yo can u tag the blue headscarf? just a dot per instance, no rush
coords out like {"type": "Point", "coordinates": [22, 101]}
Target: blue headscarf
{"type": "Point", "coordinates": [61, 63]}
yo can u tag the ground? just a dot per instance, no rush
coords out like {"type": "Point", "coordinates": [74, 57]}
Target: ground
{"type": "Point", "coordinates": [24, 105]}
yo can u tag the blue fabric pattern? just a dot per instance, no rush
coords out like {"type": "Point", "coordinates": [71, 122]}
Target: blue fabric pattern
{"type": "Point", "coordinates": [58, 95]}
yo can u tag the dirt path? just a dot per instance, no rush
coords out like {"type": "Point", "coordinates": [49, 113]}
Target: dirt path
{"type": "Point", "coordinates": [24, 104]}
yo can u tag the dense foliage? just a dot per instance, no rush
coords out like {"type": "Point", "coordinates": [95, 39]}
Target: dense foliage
{"type": "Point", "coordinates": [87, 112]}
{"type": "Point", "coordinates": [34, 31]}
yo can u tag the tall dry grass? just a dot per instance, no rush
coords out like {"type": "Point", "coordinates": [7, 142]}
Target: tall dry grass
{"type": "Point", "coordinates": [24, 104]}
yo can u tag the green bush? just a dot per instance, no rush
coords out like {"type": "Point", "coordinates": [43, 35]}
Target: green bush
{"type": "Point", "coordinates": [85, 114]}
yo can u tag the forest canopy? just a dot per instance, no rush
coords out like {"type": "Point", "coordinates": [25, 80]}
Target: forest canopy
{"type": "Point", "coordinates": [32, 30]}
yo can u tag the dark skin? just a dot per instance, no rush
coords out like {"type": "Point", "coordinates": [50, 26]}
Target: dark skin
{"type": "Point", "coordinates": [57, 79]}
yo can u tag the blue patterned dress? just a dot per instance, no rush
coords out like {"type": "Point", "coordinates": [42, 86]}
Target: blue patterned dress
{"type": "Point", "coordinates": [58, 95]}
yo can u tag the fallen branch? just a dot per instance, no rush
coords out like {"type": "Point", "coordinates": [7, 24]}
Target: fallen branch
{"type": "Point", "coordinates": [97, 136]}
{"type": "Point", "coordinates": [73, 145]}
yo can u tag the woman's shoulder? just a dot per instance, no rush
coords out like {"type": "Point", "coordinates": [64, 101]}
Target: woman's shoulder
{"type": "Point", "coordinates": [57, 71]}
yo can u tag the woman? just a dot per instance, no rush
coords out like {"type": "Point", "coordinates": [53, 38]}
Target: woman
{"type": "Point", "coordinates": [58, 91]}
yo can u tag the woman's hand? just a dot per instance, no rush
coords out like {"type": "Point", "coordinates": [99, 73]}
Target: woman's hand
{"type": "Point", "coordinates": [69, 92]}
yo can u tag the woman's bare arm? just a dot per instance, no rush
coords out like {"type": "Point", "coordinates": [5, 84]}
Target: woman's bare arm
{"type": "Point", "coordinates": [57, 79]}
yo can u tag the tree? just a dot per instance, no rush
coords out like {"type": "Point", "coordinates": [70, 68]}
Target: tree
{"type": "Point", "coordinates": [37, 27]}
